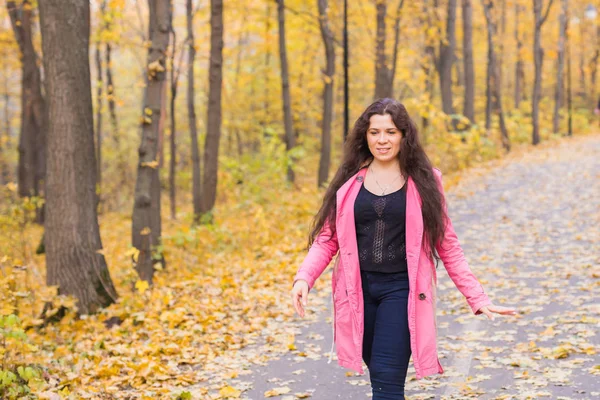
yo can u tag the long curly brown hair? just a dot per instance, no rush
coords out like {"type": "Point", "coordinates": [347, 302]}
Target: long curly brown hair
{"type": "Point", "coordinates": [413, 162]}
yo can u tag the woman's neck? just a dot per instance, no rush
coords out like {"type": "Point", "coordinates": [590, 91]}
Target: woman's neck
{"type": "Point", "coordinates": [385, 167]}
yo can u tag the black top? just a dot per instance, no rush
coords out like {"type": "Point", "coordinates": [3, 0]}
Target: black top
{"type": "Point", "coordinates": [381, 230]}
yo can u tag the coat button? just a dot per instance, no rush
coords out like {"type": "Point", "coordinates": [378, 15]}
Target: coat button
{"type": "Point", "coordinates": [422, 296]}
{"type": "Point", "coordinates": [359, 178]}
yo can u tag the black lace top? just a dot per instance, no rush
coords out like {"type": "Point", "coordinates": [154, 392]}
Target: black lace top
{"type": "Point", "coordinates": [381, 230]}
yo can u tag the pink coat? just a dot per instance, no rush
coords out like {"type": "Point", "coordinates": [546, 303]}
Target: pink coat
{"type": "Point", "coordinates": [347, 288]}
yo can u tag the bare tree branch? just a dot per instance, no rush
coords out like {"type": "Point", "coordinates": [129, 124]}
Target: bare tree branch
{"type": "Point", "coordinates": [546, 13]}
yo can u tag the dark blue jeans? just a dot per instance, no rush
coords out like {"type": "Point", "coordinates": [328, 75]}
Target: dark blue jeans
{"type": "Point", "coordinates": [386, 341]}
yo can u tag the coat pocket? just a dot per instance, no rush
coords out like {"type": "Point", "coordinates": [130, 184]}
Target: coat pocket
{"type": "Point", "coordinates": [342, 314]}
{"type": "Point", "coordinates": [334, 275]}
{"type": "Point", "coordinates": [343, 326]}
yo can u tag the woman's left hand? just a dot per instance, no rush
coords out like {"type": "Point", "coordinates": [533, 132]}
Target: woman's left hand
{"type": "Point", "coordinates": [488, 310]}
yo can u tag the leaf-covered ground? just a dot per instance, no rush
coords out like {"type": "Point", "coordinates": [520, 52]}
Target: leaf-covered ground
{"type": "Point", "coordinates": [218, 322]}
{"type": "Point", "coordinates": [530, 227]}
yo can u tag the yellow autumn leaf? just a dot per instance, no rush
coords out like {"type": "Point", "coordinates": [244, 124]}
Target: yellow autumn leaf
{"type": "Point", "coordinates": [141, 286]}
{"type": "Point", "coordinates": [155, 67]}
{"type": "Point", "coordinates": [6, 309]}
{"type": "Point", "coordinates": [561, 352]}
{"type": "Point", "coordinates": [291, 339]}
{"type": "Point", "coordinates": [133, 253]}
{"type": "Point", "coordinates": [277, 391]}
{"type": "Point", "coordinates": [229, 392]}
{"type": "Point", "coordinates": [152, 164]}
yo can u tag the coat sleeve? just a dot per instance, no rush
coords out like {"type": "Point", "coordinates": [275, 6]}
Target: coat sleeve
{"type": "Point", "coordinates": [319, 256]}
{"type": "Point", "coordinates": [455, 263]}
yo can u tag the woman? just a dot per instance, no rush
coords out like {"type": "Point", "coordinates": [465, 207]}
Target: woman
{"type": "Point", "coordinates": [381, 211]}
{"type": "Point", "coordinates": [597, 109]}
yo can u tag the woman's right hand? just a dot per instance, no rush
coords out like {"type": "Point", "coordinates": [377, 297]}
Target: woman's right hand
{"type": "Point", "coordinates": [300, 296]}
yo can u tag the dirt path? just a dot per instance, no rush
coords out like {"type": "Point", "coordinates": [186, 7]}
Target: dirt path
{"type": "Point", "coordinates": [530, 229]}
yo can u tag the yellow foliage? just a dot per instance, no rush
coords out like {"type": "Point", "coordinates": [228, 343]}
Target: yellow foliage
{"type": "Point", "coordinates": [133, 253]}
{"type": "Point", "coordinates": [227, 280]}
{"type": "Point", "coordinates": [141, 286]}
{"type": "Point", "coordinates": [152, 164]}
{"type": "Point", "coordinates": [154, 68]}
{"type": "Point", "coordinates": [230, 393]}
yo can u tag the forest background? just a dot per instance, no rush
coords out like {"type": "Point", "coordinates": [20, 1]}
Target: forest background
{"type": "Point", "coordinates": [208, 109]}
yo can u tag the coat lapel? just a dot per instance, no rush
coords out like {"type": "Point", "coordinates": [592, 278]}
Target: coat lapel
{"type": "Point", "coordinates": [414, 227]}
{"type": "Point", "coordinates": [345, 197]}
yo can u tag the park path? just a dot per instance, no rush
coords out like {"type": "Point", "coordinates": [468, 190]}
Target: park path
{"type": "Point", "coordinates": [530, 228]}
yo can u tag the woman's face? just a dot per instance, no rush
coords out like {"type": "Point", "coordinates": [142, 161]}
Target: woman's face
{"type": "Point", "coordinates": [383, 138]}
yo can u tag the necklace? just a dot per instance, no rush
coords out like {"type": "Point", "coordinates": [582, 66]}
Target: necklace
{"type": "Point", "coordinates": [384, 189]}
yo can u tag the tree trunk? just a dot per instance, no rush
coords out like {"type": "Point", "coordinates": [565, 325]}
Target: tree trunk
{"type": "Point", "coordinates": [239, 124]}
{"type": "Point", "coordinates": [382, 88]}
{"type": "Point", "coordinates": [396, 45]}
{"type": "Point", "coordinates": [266, 121]}
{"type": "Point", "coordinates": [191, 106]}
{"type": "Point", "coordinates": [495, 86]}
{"type": "Point", "coordinates": [99, 89]}
{"type": "Point", "coordinates": [173, 141]}
{"type": "Point", "coordinates": [213, 125]}
{"type": "Point", "coordinates": [427, 64]}
{"type": "Point", "coordinates": [594, 64]}
{"type": "Point", "coordinates": [303, 116]}
{"type": "Point", "coordinates": [582, 53]}
{"type": "Point", "coordinates": [519, 71]}
{"type": "Point", "coordinates": [469, 103]}
{"type": "Point", "coordinates": [242, 144]}
{"type": "Point", "coordinates": [122, 165]}
{"type": "Point", "coordinates": [32, 138]}
{"type": "Point", "coordinates": [569, 79]}
{"type": "Point", "coordinates": [290, 139]}
{"type": "Point", "coordinates": [99, 103]}
{"type": "Point", "coordinates": [488, 91]}
{"type": "Point", "coordinates": [327, 92]}
{"type": "Point", "coordinates": [558, 93]}
{"type": "Point", "coordinates": [346, 75]}
{"type": "Point", "coordinates": [446, 58]}
{"type": "Point", "coordinates": [73, 246]}
{"type": "Point", "coordinates": [384, 68]}
{"type": "Point", "coordinates": [5, 175]}
{"type": "Point", "coordinates": [501, 42]}
{"type": "Point", "coordinates": [538, 59]}
{"type": "Point", "coordinates": [146, 223]}
{"type": "Point", "coordinates": [110, 94]}
{"type": "Point", "coordinates": [161, 122]}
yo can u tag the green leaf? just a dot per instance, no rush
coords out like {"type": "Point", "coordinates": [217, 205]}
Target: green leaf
{"type": "Point", "coordinates": [184, 396]}
{"type": "Point", "coordinates": [11, 320]}
{"type": "Point", "coordinates": [6, 378]}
